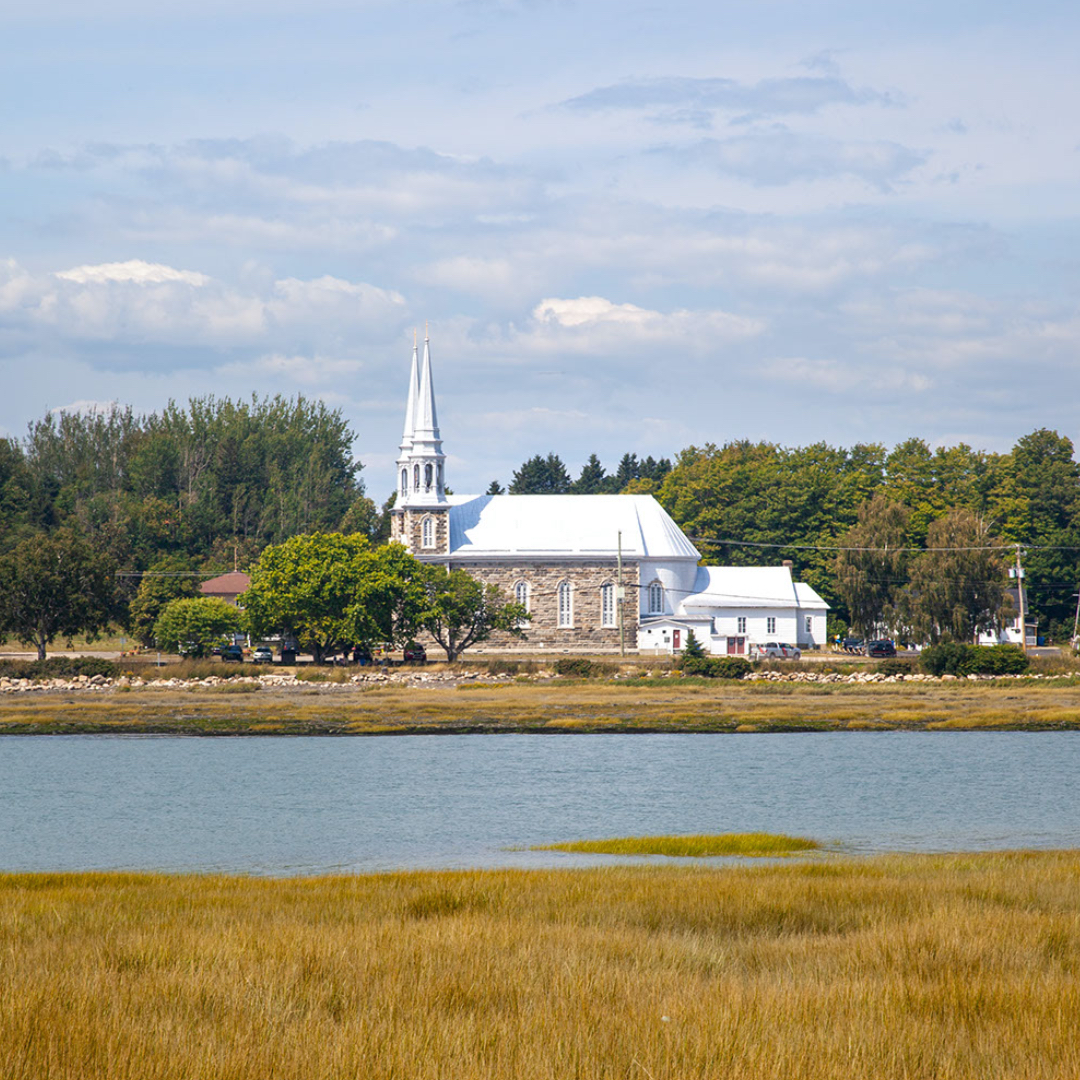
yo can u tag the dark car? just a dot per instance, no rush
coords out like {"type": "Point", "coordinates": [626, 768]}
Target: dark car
{"type": "Point", "coordinates": [232, 654]}
{"type": "Point", "coordinates": [853, 645]}
{"type": "Point", "coordinates": [880, 648]}
{"type": "Point", "coordinates": [415, 653]}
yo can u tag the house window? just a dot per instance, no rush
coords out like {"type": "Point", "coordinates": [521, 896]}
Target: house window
{"type": "Point", "coordinates": [566, 604]}
{"type": "Point", "coordinates": [740, 625]}
{"type": "Point", "coordinates": [427, 533]}
{"type": "Point", "coordinates": [809, 625]}
{"type": "Point", "coordinates": [607, 605]}
{"type": "Point", "coordinates": [770, 625]}
{"type": "Point", "coordinates": [656, 598]}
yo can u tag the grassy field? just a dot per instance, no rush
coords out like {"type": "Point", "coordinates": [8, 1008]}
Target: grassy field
{"type": "Point", "coordinates": [894, 968]}
{"type": "Point", "coordinates": [553, 706]}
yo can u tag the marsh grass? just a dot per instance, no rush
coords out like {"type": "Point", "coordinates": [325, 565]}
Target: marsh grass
{"type": "Point", "coordinates": [896, 968]}
{"type": "Point", "coordinates": [743, 844]}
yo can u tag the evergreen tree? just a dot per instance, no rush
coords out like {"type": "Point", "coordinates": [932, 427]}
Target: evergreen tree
{"type": "Point", "coordinates": [592, 478]}
{"type": "Point", "coordinates": [541, 476]}
{"type": "Point", "coordinates": [495, 488]}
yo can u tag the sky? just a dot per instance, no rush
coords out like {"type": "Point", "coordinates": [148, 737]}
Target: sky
{"type": "Point", "coordinates": [630, 227]}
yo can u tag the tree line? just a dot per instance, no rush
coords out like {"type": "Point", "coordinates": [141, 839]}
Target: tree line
{"type": "Point", "coordinates": [201, 487]}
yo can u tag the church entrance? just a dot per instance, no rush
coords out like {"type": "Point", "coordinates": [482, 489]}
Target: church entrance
{"type": "Point", "coordinates": [736, 646]}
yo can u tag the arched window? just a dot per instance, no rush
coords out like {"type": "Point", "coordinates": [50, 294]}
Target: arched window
{"type": "Point", "coordinates": [416, 477]}
{"type": "Point", "coordinates": [404, 481]}
{"type": "Point", "coordinates": [427, 533]}
{"type": "Point", "coordinates": [439, 478]}
{"type": "Point", "coordinates": [607, 604]}
{"type": "Point", "coordinates": [427, 477]}
{"type": "Point", "coordinates": [521, 596]}
{"type": "Point", "coordinates": [566, 604]}
{"type": "Point", "coordinates": [656, 598]}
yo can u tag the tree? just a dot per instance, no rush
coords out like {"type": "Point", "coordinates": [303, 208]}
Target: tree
{"type": "Point", "coordinates": [541, 476]}
{"type": "Point", "coordinates": [495, 488]}
{"type": "Point", "coordinates": [194, 624]}
{"type": "Point", "coordinates": [693, 649]}
{"type": "Point", "coordinates": [872, 572]}
{"type": "Point", "coordinates": [331, 591]}
{"type": "Point", "coordinates": [168, 579]}
{"type": "Point", "coordinates": [306, 588]}
{"type": "Point", "coordinates": [593, 479]}
{"type": "Point", "coordinates": [959, 584]}
{"type": "Point", "coordinates": [461, 611]}
{"type": "Point", "coordinates": [56, 586]}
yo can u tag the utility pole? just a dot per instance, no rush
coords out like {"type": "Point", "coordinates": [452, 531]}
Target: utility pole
{"type": "Point", "coordinates": [1018, 573]}
{"type": "Point", "coordinates": [1076, 622]}
{"type": "Point", "coordinates": [620, 595]}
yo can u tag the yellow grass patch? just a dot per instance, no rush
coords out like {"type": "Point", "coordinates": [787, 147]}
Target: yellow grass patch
{"type": "Point", "coordinates": [964, 967]}
{"type": "Point", "coordinates": [752, 844]}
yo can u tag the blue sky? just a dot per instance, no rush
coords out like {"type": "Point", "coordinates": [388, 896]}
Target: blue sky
{"type": "Point", "coordinates": [631, 226]}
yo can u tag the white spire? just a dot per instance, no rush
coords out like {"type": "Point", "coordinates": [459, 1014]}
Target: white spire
{"type": "Point", "coordinates": [410, 408]}
{"type": "Point", "coordinates": [420, 467]}
{"type": "Point", "coordinates": [426, 424]}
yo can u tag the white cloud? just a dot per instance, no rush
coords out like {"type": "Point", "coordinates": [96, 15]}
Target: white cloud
{"type": "Point", "coordinates": [135, 271]}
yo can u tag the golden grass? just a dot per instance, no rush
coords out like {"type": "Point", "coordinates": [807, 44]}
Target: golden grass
{"type": "Point", "coordinates": [745, 844]}
{"type": "Point", "coordinates": [583, 706]}
{"type": "Point", "coordinates": [963, 967]}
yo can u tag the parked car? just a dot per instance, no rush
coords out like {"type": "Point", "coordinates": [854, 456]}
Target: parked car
{"type": "Point", "coordinates": [881, 647]}
{"type": "Point", "coordinates": [853, 645]}
{"type": "Point", "coordinates": [262, 655]}
{"type": "Point", "coordinates": [778, 650]}
{"type": "Point", "coordinates": [232, 654]}
{"type": "Point", "coordinates": [415, 653]}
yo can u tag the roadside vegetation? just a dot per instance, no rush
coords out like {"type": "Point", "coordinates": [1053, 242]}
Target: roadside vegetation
{"type": "Point", "coordinates": [964, 966]}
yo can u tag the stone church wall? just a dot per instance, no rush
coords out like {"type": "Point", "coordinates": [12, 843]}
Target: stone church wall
{"type": "Point", "coordinates": [543, 578]}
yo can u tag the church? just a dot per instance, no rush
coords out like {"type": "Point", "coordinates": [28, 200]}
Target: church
{"type": "Point", "coordinates": [595, 572]}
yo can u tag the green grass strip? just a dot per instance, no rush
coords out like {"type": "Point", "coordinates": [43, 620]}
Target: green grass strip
{"type": "Point", "coordinates": [748, 844]}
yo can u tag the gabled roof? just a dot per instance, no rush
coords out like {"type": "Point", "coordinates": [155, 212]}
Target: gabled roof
{"type": "Point", "coordinates": [231, 584]}
{"type": "Point", "coordinates": [540, 526]}
{"type": "Point", "coordinates": [749, 587]}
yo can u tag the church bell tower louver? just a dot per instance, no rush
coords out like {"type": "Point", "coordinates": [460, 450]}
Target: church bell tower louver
{"type": "Point", "coordinates": [421, 517]}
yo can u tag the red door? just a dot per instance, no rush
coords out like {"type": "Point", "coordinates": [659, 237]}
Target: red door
{"type": "Point", "coordinates": [676, 637]}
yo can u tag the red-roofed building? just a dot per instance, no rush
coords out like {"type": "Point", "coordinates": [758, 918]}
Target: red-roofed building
{"type": "Point", "coordinates": [226, 587]}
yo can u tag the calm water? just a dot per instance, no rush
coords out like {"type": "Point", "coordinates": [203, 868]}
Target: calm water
{"type": "Point", "coordinates": [302, 806]}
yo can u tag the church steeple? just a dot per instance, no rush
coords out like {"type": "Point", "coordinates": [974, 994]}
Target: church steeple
{"type": "Point", "coordinates": [420, 467]}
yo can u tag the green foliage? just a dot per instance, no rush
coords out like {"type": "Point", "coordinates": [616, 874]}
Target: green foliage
{"type": "Point", "coordinates": [693, 649]}
{"type": "Point", "coordinates": [958, 585]}
{"type": "Point", "coordinates": [196, 624]}
{"type": "Point", "coordinates": [895, 665]}
{"type": "Point", "coordinates": [495, 488]}
{"type": "Point", "coordinates": [460, 611]}
{"type": "Point", "coordinates": [576, 667]}
{"type": "Point", "coordinates": [59, 667]}
{"type": "Point", "coordinates": [872, 572]}
{"type": "Point", "coordinates": [167, 580]}
{"type": "Point", "coordinates": [541, 476]}
{"type": "Point", "coordinates": [56, 586]}
{"type": "Point", "coordinates": [955, 658]}
{"type": "Point", "coordinates": [717, 667]}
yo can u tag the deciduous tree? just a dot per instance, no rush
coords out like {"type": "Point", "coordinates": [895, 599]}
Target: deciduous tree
{"type": "Point", "coordinates": [461, 611]}
{"type": "Point", "coordinates": [56, 586]}
{"type": "Point", "coordinates": [195, 624]}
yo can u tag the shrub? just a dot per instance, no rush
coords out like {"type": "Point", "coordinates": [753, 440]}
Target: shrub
{"type": "Point", "coordinates": [579, 668]}
{"type": "Point", "coordinates": [717, 667]}
{"type": "Point", "coordinates": [58, 667]}
{"type": "Point", "coordinates": [895, 666]}
{"type": "Point", "coordinates": [953, 658]}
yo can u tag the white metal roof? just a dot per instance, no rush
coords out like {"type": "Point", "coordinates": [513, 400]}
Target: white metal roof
{"type": "Point", "coordinates": [749, 587]}
{"type": "Point", "coordinates": [564, 525]}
